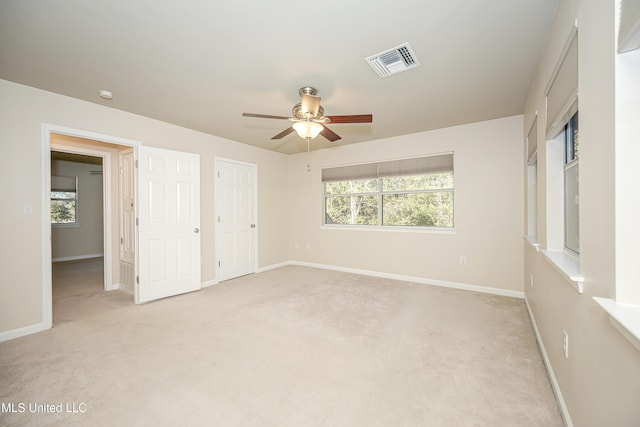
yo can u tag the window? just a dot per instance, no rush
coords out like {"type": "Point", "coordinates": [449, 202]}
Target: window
{"type": "Point", "coordinates": [532, 182]}
{"type": "Point", "coordinates": [532, 202]}
{"type": "Point", "coordinates": [402, 193]}
{"type": "Point", "coordinates": [64, 200]}
{"type": "Point", "coordinates": [561, 184]}
{"type": "Point", "coordinates": [571, 185]}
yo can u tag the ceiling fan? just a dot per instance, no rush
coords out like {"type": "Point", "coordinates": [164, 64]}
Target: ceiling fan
{"type": "Point", "coordinates": [309, 119]}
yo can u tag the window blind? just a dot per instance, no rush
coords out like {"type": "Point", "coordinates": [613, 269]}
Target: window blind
{"type": "Point", "coordinates": [415, 166]}
{"type": "Point", "coordinates": [562, 94]}
{"type": "Point", "coordinates": [63, 183]}
{"type": "Point", "coordinates": [532, 139]}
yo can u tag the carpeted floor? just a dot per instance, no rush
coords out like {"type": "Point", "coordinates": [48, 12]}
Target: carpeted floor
{"type": "Point", "coordinates": [293, 346]}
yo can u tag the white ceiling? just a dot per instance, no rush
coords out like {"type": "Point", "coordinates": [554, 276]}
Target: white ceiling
{"type": "Point", "coordinates": [201, 64]}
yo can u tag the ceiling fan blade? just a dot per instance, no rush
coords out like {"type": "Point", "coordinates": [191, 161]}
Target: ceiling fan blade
{"type": "Point", "coordinates": [284, 133]}
{"type": "Point", "coordinates": [310, 104]}
{"type": "Point", "coordinates": [355, 118]}
{"type": "Point", "coordinates": [264, 116]}
{"type": "Point", "coordinates": [329, 134]}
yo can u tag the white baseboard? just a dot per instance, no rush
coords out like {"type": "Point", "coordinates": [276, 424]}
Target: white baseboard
{"type": "Point", "coordinates": [210, 283]}
{"type": "Point", "coordinates": [422, 280]}
{"type": "Point", "coordinates": [20, 332]}
{"type": "Point", "coordinates": [124, 288]}
{"type": "Point", "coordinates": [76, 257]}
{"type": "Point", "coordinates": [273, 266]}
{"type": "Point", "coordinates": [112, 287]}
{"type": "Point", "coordinates": [547, 363]}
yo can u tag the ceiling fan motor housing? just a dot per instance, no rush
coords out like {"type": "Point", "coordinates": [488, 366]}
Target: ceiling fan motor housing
{"type": "Point", "coordinates": [298, 113]}
{"type": "Point", "coordinates": [308, 90]}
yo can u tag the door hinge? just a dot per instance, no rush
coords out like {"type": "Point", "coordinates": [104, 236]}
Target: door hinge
{"type": "Point", "coordinates": [122, 240]}
{"type": "Point", "coordinates": [219, 264]}
{"type": "Point", "coordinates": [218, 218]}
{"type": "Point", "coordinates": [138, 280]}
{"type": "Point", "coordinates": [136, 163]}
{"type": "Point", "coordinates": [218, 174]}
{"type": "Point", "coordinates": [137, 221]}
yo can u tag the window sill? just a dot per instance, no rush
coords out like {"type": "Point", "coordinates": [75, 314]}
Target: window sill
{"type": "Point", "coordinates": [67, 225]}
{"type": "Point", "coordinates": [568, 266]}
{"type": "Point", "coordinates": [624, 317]}
{"type": "Point", "coordinates": [533, 241]}
{"type": "Point", "coordinates": [392, 229]}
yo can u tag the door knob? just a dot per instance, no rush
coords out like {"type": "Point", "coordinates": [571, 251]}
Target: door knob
{"type": "Point", "coordinates": [253, 226]}
{"type": "Point", "coordinates": [196, 230]}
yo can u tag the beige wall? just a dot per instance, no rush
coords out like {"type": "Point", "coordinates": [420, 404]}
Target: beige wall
{"type": "Point", "coordinates": [22, 112]}
{"type": "Point", "coordinates": [600, 381]}
{"type": "Point", "coordinates": [488, 203]}
{"type": "Point", "coordinates": [86, 238]}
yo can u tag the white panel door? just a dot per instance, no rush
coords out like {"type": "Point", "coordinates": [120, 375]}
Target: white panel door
{"type": "Point", "coordinates": [169, 221]}
{"type": "Point", "coordinates": [235, 210]}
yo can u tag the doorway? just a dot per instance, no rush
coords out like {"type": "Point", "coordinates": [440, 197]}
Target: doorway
{"type": "Point", "coordinates": [77, 231]}
{"type": "Point", "coordinates": [168, 202]}
{"type": "Point", "coordinates": [77, 142]}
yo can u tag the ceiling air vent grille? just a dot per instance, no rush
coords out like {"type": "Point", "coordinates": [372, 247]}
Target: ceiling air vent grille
{"type": "Point", "coordinates": [392, 61]}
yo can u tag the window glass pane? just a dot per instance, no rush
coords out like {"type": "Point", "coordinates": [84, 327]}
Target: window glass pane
{"type": "Point", "coordinates": [532, 199]}
{"type": "Point", "coordinates": [571, 208]}
{"type": "Point", "coordinates": [420, 182]}
{"type": "Point", "coordinates": [63, 211]}
{"type": "Point", "coordinates": [575, 140]}
{"type": "Point", "coordinates": [572, 139]}
{"type": "Point", "coordinates": [63, 195]}
{"type": "Point", "coordinates": [350, 187]}
{"type": "Point", "coordinates": [418, 209]}
{"type": "Point", "coordinates": [362, 210]}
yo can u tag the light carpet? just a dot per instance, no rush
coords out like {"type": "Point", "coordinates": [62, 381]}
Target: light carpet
{"type": "Point", "coordinates": [294, 346]}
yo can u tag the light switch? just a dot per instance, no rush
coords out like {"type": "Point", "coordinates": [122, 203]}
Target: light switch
{"type": "Point", "coordinates": [28, 209]}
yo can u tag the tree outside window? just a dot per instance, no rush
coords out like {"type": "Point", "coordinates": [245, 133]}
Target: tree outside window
{"type": "Point", "coordinates": [64, 200]}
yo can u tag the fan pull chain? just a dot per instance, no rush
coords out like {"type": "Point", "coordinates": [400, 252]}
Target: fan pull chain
{"type": "Point", "coordinates": [308, 156]}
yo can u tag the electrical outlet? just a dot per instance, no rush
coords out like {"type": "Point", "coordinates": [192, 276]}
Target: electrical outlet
{"type": "Point", "coordinates": [308, 245]}
{"type": "Point", "coordinates": [90, 242]}
{"type": "Point", "coordinates": [297, 245]}
{"type": "Point", "coordinates": [463, 260]}
{"type": "Point", "coordinates": [565, 344]}
{"type": "Point", "coordinates": [28, 209]}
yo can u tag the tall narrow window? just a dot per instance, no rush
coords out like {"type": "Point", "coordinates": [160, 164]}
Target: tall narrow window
{"type": "Point", "coordinates": [532, 181]}
{"type": "Point", "coordinates": [64, 200]}
{"type": "Point", "coordinates": [571, 185]}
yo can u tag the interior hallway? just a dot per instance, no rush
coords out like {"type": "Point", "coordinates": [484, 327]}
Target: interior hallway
{"type": "Point", "coordinates": [78, 291]}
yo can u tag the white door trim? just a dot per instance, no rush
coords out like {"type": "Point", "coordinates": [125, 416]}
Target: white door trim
{"type": "Point", "coordinates": [45, 151]}
{"type": "Point", "coordinates": [255, 213]}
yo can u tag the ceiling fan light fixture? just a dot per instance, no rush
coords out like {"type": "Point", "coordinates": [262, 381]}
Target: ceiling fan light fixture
{"type": "Point", "coordinates": [307, 129]}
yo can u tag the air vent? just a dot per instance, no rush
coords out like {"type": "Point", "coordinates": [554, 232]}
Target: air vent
{"type": "Point", "coordinates": [392, 61]}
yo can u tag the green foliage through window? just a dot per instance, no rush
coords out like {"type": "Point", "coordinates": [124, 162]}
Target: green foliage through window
{"type": "Point", "coordinates": [410, 201]}
{"type": "Point", "coordinates": [63, 207]}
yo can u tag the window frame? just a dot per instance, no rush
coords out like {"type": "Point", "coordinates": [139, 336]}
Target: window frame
{"type": "Point", "coordinates": [571, 161]}
{"type": "Point", "coordinates": [379, 194]}
{"type": "Point", "coordinates": [532, 199]}
{"type": "Point", "coordinates": [76, 222]}
{"type": "Point", "coordinates": [532, 182]}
